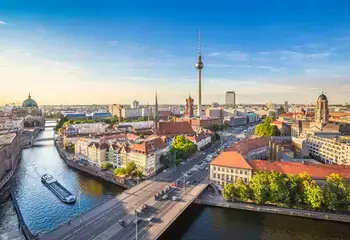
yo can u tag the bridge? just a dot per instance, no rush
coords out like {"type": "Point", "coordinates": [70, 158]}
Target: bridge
{"type": "Point", "coordinates": [102, 222]}
{"type": "Point", "coordinates": [43, 139]}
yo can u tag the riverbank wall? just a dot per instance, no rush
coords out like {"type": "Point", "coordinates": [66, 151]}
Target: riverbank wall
{"type": "Point", "coordinates": [275, 210]}
{"type": "Point", "coordinates": [109, 177]}
{"type": "Point", "coordinates": [22, 225]}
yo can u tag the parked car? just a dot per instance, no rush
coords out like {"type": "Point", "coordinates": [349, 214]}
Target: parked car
{"type": "Point", "coordinates": [174, 198]}
{"type": "Point", "coordinates": [165, 196]}
{"type": "Point", "coordinates": [122, 223]}
{"type": "Point", "coordinates": [151, 218]}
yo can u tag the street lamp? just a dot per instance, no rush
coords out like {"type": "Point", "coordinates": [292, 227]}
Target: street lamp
{"type": "Point", "coordinates": [137, 235]}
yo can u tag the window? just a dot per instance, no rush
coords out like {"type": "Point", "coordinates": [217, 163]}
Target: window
{"type": "Point", "coordinates": [246, 180]}
{"type": "Point", "coordinates": [218, 175]}
{"type": "Point", "coordinates": [218, 168]}
{"type": "Point", "coordinates": [214, 168]}
{"type": "Point", "coordinates": [231, 170]}
{"type": "Point", "coordinates": [246, 172]}
{"type": "Point", "coordinates": [240, 171]}
{"type": "Point", "coordinates": [214, 175]}
{"type": "Point", "coordinates": [231, 178]}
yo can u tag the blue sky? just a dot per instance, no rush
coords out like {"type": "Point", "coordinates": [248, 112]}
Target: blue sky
{"type": "Point", "coordinates": [117, 51]}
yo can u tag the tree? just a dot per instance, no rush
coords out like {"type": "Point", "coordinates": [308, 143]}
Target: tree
{"type": "Point", "coordinates": [266, 129]}
{"type": "Point", "coordinates": [229, 192]}
{"type": "Point", "coordinates": [296, 192]}
{"type": "Point", "coordinates": [259, 185]}
{"type": "Point", "coordinates": [120, 172]}
{"type": "Point", "coordinates": [131, 168]}
{"type": "Point", "coordinates": [105, 165]}
{"type": "Point", "coordinates": [335, 192]}
{"type": "Point", "coordinates": [314, 195]}
{"type": "Point", "coordinates": [183, 147]}
{"type": "Point", "coordinates": [279, 189]}
{"type": "Point", "coordinates": [242, 190]}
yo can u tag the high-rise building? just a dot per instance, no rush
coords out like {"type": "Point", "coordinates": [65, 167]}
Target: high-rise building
{"type": "Point", "coordinates": [230, 99]}
{"type": "Point", "coordinates": [286, 106]}
{"type": "Point", "coordinates": [199, 67]}
{"type": "Point", "coordinates": [135, 104]}
{"type": "Point", "coordinates": [189, 107]}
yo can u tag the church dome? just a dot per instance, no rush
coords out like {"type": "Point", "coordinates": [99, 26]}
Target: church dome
{"type": "Point", "coordinates": [29, 103]}
{"type": "Point", "coordinates": [322, 97]}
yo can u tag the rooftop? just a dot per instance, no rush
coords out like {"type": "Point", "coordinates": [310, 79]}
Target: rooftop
{"type": "Point", "coordinates": [7, 139]}
{"type": "Point", "coordinates": [245, 146]}
{"type": "Point", "coordinates": [316, 171]}
{"type": "Point", "coordinates": [166, 128]}
{"type": "Point", "coordinates": [231, 159]}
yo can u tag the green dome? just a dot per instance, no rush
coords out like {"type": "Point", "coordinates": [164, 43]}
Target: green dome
{"type": "Point", "coordinates": [29, 103]}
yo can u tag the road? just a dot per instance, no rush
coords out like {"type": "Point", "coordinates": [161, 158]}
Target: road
{"type": "Point", "coordinates": [103, 223]}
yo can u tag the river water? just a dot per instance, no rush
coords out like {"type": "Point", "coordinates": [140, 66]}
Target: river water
{"type": "Point", "coordinates": [43, 211]}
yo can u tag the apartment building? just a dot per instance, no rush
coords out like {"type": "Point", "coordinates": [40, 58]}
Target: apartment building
{"type": "Point", "coordinates": [329, 150]}
{"type": "Point", "coordinates": [97, 153]}
{"type": "Point", "coordinates": [228, 167]}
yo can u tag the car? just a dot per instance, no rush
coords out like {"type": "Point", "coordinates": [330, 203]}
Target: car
{"type": "Point", "coordinates": [136, 221]}
{"type": "Point", "coordinates": [165, 196]}
{"type": "Point", "coordinates": [206, 168]}
{"type": "Point", "coordinates": [174, 198]}
{"type": "Point", "coordinates": [122, 223]}
{"type": "Point", "coordinates": [151, 218]}
{"type": "Point", "coordinates": [165, 170]}
{"type": "Point", "coordinates": [188, 182]}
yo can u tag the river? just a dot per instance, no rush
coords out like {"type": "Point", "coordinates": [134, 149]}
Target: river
{"type": "Point", "coordinates": [43, 211]}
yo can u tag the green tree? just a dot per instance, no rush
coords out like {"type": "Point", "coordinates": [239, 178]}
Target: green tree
{"type": "Point", "coordinates": [279, 189]}
{"type": "Point", "coordinates": [242, 190]}
{"type": "Point", "coordinates": [229, 192]}
{"type": "Point", "coordinates": [120, 172]}
{"type": "Point", "coordinates": [335, 192]}
{"type": "Point", "coordinates": [131, 168]}
{"type": "Point", "coordinates": [183, 147]}
{"type": "Point", "coordinates": [296, 192]}
{"type": "Point", "coordinates": [266, 128]}
{"type": "Point", "coordinates": [259, 184]}
{"type": "Point", "coordinates": [313, 195]}
{"type": "Point", "coordinates": [106, 165]}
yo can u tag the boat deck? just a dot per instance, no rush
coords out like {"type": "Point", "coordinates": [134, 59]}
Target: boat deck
{"type": "Point", "coordinates": [60, 189]}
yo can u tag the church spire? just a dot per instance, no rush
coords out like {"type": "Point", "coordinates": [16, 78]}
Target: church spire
{"type": "Point", "coordinates": [29, 97]}
{"type": "Point", "coordinates": [156, 108]}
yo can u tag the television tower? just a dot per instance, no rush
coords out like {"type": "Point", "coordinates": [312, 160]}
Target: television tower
{"type": "Point", "coordinates": [199, 67]}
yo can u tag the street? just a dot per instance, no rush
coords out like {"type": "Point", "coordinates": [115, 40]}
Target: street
{"type": "Point", "coordinates": [103, 222]}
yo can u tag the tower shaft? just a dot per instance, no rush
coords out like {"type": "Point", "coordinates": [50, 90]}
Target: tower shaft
{"type": "Point", "coordinates": [199, 92]}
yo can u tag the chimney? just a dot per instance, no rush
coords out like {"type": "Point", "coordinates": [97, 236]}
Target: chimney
{"type": "Point", "coordinates": [278, 153]}
{"type": "Point", "coordinates": [270, 151]}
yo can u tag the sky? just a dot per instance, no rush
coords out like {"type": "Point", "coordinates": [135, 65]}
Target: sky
{"type": "Point", "coordinates": [104, 52]}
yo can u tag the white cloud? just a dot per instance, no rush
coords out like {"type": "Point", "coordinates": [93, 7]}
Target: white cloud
{"type": "Point", "coordinates": [2, 22]}
{"type": "Point", "coordinates": [232, 55]}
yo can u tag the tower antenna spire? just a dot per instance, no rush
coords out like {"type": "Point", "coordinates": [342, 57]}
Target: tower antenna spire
{"type": "Point", "coordinates": [199, 42]}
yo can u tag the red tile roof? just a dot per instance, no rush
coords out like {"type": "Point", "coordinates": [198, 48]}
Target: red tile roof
{"type": "Point", "coordinates": [175, 128]}
{"type": "Point", "coordinates": [231, 159]}
{"type": "Point", "coordinates": [316, 171]}
{"type": "Point", "coordinates": [149, 146]}
{"type": "Point", "coordinates": [245, 146]}
{"type": "Point", "coordinates": [277, 122]}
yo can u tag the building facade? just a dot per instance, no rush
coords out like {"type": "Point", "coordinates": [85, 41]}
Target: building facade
{"type": "Point", "coordinates": [189, 107]}
{"type": "Point", "coordinates": [329, 151]}
{"type": "Point", "coordinates": [230, 99]}
{"type": "Point", "coordinates": [228, 167]}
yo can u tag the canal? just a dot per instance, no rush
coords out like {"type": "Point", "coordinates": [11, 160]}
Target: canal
{"type": "Point", "coordinates": [43, 211]}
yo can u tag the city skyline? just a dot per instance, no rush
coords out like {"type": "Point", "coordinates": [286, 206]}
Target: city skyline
{"type": "Point", "coordinates": [116, 53]}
